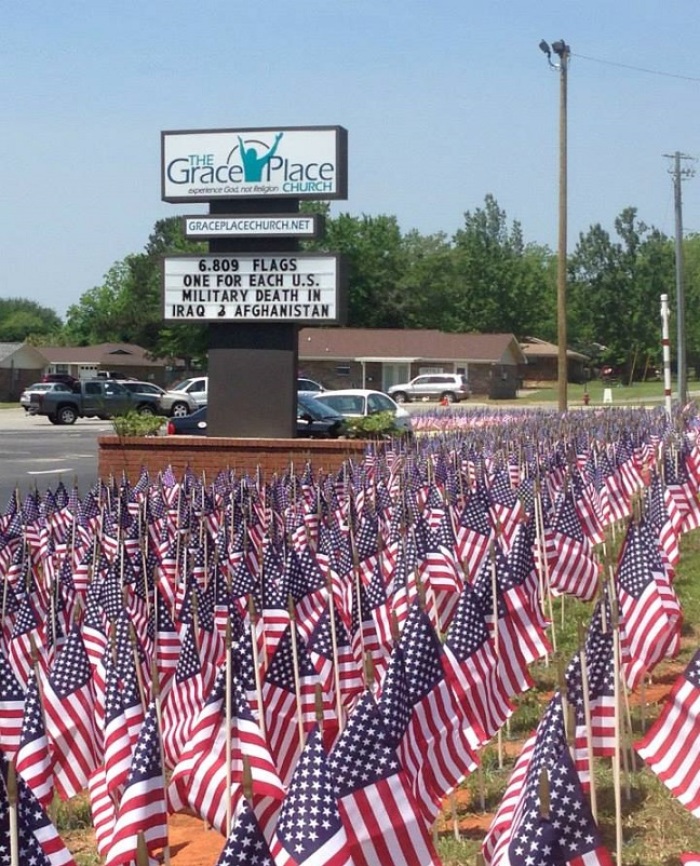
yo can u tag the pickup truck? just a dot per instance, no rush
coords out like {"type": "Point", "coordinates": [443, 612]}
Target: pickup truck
{"type": "Point", "coordinates": [92, 398]}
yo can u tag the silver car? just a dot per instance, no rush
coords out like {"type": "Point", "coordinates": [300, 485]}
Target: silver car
{"type": "Point", "coordinates": [174, 404]}
{"type": "Point", "coordinates": [197, 387]}
{"type": "Point", "coordinates": [25, 398]}
{"type": "Point", "coordinates": [449, 387]}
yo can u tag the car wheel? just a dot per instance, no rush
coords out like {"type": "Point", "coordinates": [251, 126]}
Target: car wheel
{"type": "Point", "coordinates": [400, 397]}
{"type": "Point", "coordinates": [53, 419]}
{"type": "Point", "coordinates": [66, 415]}
{"type": "Point", "coordinates": [179, 410]}
{"type": "Point", "coordinates": [448, 397]}
{"type": "Point", "coordinates": [146, 410]}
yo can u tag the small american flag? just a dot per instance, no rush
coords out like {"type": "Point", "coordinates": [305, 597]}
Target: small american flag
{"type": "Point", "coordinates": [666, 747]}
{"type": "Point", "coordinates": [310, 831]}
{"type": "Point", "coordinates": [142, 807]}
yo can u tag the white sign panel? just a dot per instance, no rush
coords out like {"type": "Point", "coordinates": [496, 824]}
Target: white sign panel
{"type": "Point", "coordinates": [270, 287]}
{"type": "Point", "coordinates": [292, 162]}
{"type": "Point", "coordinates": [253, 225]}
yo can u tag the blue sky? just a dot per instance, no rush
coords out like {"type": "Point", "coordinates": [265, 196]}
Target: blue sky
{"type": "Point", "coordinates": [444, 103]}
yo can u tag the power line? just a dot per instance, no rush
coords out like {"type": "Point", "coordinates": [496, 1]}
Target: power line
{"type": "Point", "coordinates": [636, 68]}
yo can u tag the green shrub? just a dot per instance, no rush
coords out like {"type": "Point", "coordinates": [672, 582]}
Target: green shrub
{"type": "Point", "coordinates": [380, 425]}
{"type": "Point", "coordinates": [135, 424]}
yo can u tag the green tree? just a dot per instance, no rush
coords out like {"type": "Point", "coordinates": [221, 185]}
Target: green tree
{"type": "Point", "coordinates": [614, 291]}
{"type": "Point", "coordinates": [127, 307]}
{"type": "Point", "coordinates": [501, 284]}
{"type": "Point", "coordinates": [372, 247]}
{"type": "Point", "coordinates": [22, 319]}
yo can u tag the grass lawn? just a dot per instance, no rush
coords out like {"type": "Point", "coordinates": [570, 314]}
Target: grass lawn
{"type": "Point", "coordinates": [642, 393]}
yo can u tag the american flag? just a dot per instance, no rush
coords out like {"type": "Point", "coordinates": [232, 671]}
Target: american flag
{"type": "Point", "coordinates": [142, 807]}
{"type": "Point", "coordinates": [505, 507]}
{"type": "Point", "coordinates": [103, 809]}
{"type": "Point", "coordinates": [245, 843]}
{"type": "Point", "coordinates": [474, 532]}
{"type": "Point", "coordinates": [473, 665]}
{"type": "Point", "coordinates": [282, 702]}
{"type": "Point", "coordinates": [39, 841]}
{"type": "Point", "coordinates": [523, 831]}
{"type": "Point", "coordinates": [332, 655]}
{"type": "Point", "coordinates": [439, 746]}
{"type": "Point", "coordinates": [117, 739]}
{"type": "Point", "coordinates": [382, 820]}
{"type": "Point", "coordinates": [69, 702]}
{"type": "Point", "coordinates": [34, 760]}
{"type": "Point", "coordinates": [309, 830]}
{"type": "Point", "coordinates": [649, 609]}
{"type": "Point", "coordinates": [573, 568]}
{"type": "Point", "coordinates": [11, 708]}
{"type": "Point", "coordinates": [200, 777]}
{"type": "Point", "coordinates": [183, 701]}
{"type": "Point", "coordinates": [27, 634]}
{"type": "Point", "coordinates": [669, 747]}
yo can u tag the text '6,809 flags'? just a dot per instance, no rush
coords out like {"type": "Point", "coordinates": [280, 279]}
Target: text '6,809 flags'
{"type": "Point", "coordinates": [251, 287]}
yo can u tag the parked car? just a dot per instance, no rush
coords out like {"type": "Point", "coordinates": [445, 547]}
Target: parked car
{"type": "Point", "coordinates": [359, 402]}
{"type": "Point", "coordinates": [314, 421]}
{"type": "Point", "coordinates": [64, 378]}
{"type": "Point", "coordinates": [447, 387]}
{"type": "Point", "coordinates": [309, 385]}
{"type": "Point", "coordinates": [91, 398]}
{"type": "Point", "coordinates": [197, 387]}
{"type": "Point", "coordinates": [173, 404]}
{"type": "Point", "coordinates": [25, 398]}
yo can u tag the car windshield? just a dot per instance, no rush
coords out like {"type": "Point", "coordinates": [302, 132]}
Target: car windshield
{"type": "Point", "coordinates": [315, 408]}
{"type": "Point", "coordinates": [346, 404]}
{"type": "Point", "coordinates": [182, 386]}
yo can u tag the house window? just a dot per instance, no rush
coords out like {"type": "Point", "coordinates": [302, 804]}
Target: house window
{"type": "Point", "coordinates": [426, 371]}
{"type": "Point", "coordinates": [342, 370]}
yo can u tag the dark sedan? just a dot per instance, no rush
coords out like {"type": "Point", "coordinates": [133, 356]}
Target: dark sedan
{"type": "Point", "coordinates": [314, 421]}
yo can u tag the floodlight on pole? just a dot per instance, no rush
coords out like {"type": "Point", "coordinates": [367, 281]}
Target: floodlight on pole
{"type": "Point", "coordinates": [562, 50]}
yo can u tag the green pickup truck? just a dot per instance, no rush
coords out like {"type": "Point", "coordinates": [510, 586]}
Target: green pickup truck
{"type": "Point", "coordinates": [92, 398]}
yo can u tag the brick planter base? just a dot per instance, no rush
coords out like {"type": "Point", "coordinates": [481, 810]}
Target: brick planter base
{"type": "Point", "coordinates": [210, 455]}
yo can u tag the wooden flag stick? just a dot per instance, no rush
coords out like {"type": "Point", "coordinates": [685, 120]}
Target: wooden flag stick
{"type": "Point", "coordinates": [496, 641]}
{"type": "Point", "coordinates": [334, 650]}
{"type": "Point", "coordinates": [295, 666]}
{"type": "Point", "coordinates": [455, 821]}
{"type": "Point", "coordinates": [157, 700]}
{"type": "Point", "coordinates": [587, 716]}
{"type": "Point", "coordinates": [142, 858]}
{"type": "Point", "coordinates": [256, 663]}
{"type": "Point", "coordinates": [617, 726]}
{"type": "Point", "coordinates": [545, 799]}
{"type": "Point", "coordinates": [229, 749]}
{"type": "Point", "coordinates": [12, 808]}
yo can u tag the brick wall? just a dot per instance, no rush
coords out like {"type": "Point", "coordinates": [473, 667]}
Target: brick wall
{"type": "Point", "coordinates": [211, 454]}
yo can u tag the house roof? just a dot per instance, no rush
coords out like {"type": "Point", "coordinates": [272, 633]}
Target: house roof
{"type": "Point", "coordinates": [534, 348]}
{"type": "Point", "coordinates": [105, 354]}
{"type": "Point", "coordinates": [8, 350]}
{"type": "Point", "coordinates": [403, 345]}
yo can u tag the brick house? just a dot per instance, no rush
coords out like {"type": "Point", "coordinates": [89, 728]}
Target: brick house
{"type": "Point", "coordinates": [380, 357]}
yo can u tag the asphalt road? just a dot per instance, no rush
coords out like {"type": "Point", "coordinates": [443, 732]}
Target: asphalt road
{"type": "Point", "coordinates": [35, 453]}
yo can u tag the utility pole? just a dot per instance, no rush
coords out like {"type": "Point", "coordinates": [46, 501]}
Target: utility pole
{"type": "Point", "coordinates": [678, 175]}
{"type": "Point", "coordinates": [562, 50]}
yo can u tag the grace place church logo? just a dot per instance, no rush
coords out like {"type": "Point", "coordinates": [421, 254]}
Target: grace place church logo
{"type": "Point", "coordinates": [253, 159]}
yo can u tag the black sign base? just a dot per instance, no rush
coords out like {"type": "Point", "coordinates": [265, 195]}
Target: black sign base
{"type": "Point", "coordinates": [252, 381]}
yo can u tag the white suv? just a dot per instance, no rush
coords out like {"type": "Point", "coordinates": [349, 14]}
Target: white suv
{"type": "Point", "coordinates": [451, 387]}
{"type": "Point", "coordinates": [198, 388]}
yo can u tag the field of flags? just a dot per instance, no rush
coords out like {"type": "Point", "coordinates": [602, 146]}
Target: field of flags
{"type": "Point", "coordinates": [313, 662]}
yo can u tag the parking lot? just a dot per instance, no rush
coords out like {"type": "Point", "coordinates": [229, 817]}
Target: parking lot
{"type": "Point", "coordinates": [34, 453]}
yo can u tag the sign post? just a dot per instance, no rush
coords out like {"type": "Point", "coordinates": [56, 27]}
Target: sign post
{"type": "Point", "coordinates": [254, 288]}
